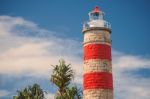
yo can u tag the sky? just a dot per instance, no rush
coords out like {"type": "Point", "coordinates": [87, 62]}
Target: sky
{"type": "Point", "coordinates": [35, 34]}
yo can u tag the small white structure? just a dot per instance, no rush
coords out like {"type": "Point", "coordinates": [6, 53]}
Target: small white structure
{"type": "Point", "coordinates": [96, 20]}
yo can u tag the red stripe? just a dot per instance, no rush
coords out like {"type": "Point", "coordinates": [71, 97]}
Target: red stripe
{"type": "Point", "coordinates": [98, 80]}
{"type": "Point", "coordinates": [97, 51]}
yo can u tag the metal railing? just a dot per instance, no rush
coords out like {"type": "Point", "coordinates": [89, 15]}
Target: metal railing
{"type": "Point", "coordinates": [106, 24]}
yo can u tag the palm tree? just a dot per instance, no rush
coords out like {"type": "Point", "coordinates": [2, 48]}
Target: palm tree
{"type": "Point", "coordinates": [73, 93]}
{"type": "Point", "coordinates": [30, 92]}
{"type": "Point", "coordinates": [61, 77]}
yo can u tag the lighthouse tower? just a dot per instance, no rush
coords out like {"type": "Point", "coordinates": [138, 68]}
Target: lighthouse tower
{"type": "Point", "coordinates": [97, 77]}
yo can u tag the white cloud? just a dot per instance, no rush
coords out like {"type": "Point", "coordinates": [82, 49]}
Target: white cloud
{"type": "Point", "coordinates": [49, 96]}
{"type": "Point", "coordinates": [32, 55]}
{"type": "Point", "coordinates": [4, 93]}
{"type": "Point", "coordinates": [127, 84]}
{"type": "Point", "coordinates": [7, 23]}
{"type": "Point", "coordinates": [131, 62]}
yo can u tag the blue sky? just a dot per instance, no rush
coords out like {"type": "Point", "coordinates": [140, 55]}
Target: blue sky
{"type": "Point", "coordinates": [127, 18]}
{"type": "Point", "coordinates": [47, 30]}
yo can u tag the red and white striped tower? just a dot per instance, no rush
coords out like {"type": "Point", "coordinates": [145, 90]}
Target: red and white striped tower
{"type": "Point", "coordinates": [97, 77]}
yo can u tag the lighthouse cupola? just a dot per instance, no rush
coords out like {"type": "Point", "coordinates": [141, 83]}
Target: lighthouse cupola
{"type": "Point", "coordinates": [96, 19]}
{"type": "Point", "coordinates": [96, 14]}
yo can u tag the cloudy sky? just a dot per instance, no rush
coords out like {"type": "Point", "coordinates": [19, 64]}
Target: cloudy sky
{"type": "Point", "coordinates": [35, 34]}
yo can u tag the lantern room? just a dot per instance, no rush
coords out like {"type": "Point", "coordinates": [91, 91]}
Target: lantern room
{"type": "Point", "coordinates": [96, 19]}
{"type": "Point", "coordinates": [96, 14]}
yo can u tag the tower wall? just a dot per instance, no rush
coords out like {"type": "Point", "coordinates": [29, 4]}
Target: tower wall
{"type": "Point", "coordinates": [97, 77]}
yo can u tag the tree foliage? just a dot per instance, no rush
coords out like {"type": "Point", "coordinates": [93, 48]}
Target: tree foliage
{"type": "Point", "coordinates": [61, 77]}
{"type": "Point", "coordinates": [30, 92]}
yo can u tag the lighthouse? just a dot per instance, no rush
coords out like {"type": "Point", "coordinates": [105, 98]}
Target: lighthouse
{"type": "Point", "coordinates": [97, 68]}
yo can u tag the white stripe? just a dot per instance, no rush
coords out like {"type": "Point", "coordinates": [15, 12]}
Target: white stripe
{"type": "Point", "coordinates": [97, 36]}
{"type": "Point", "coordinates": [97, 65]}
{"type": "Point", "coordinates": [98, 94]}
